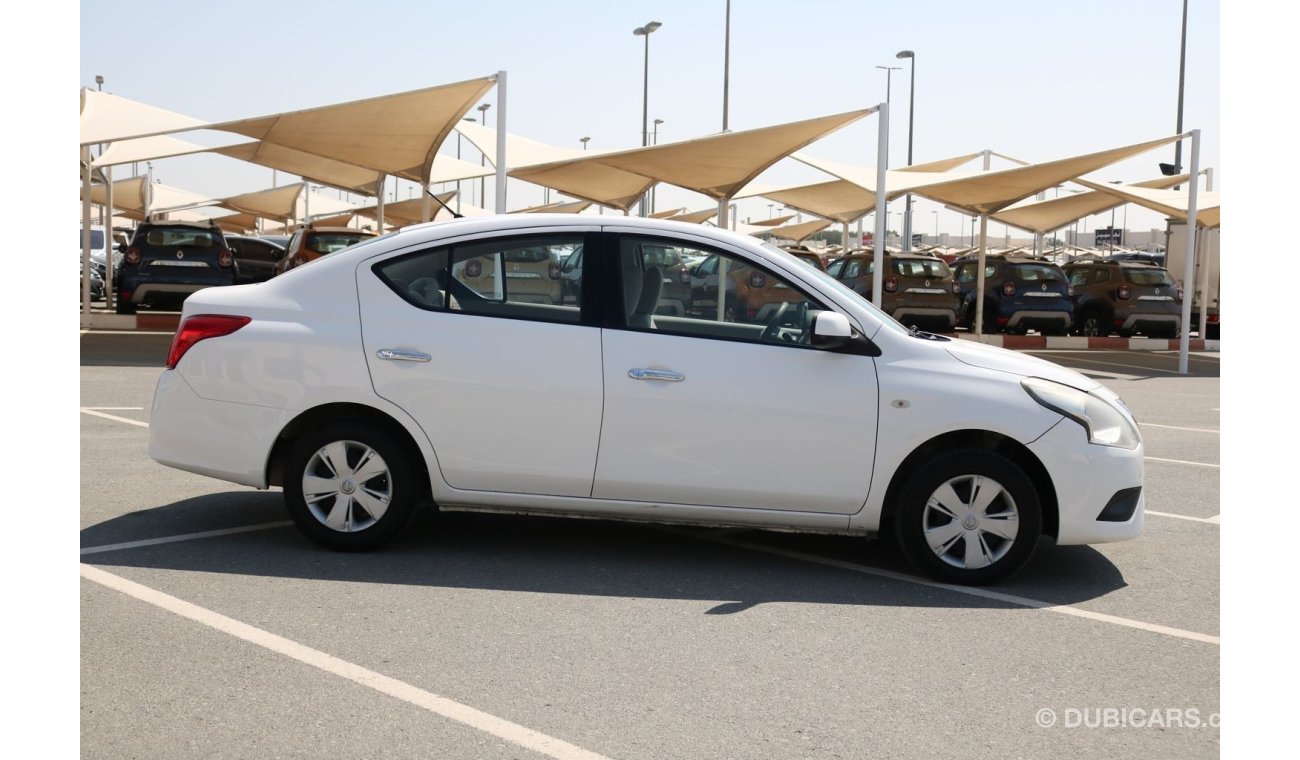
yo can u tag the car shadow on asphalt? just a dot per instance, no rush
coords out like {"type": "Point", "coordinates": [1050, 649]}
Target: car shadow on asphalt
{"type": "Point", "coordinates": [586, 557]}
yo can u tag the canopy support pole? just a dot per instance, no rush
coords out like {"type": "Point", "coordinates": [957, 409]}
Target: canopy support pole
{"type": "Point", "coordinates": [1203, 245]}
{"type": "Point", "coordinates": [844, 238]}
{"type": "Point", "coordinates": [379, 204]}
{"type": "Point", "coordinates": [108, 239]}
{"type": "Point", "coordinates": [426, 203]}
{"type": "Point", "coordinates": [979, 277]}
{"type": "Point", "coordinates": [501, 142]}
{"type": "Point", "coordinates": [85, 236]}
{"type": "Point", "coordinates": [1185, 335]}
{"type": "Point", "coordinates": [722, 214]}
{"type": "Point", "coordinates": [882, 158]}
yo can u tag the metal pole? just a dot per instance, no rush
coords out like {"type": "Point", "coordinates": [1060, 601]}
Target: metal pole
{"type": "Point", "coordinates": [501, 142]}
{"type": "Point", "coordinates": [1182, 70]}
{"type": "Point", "coordinates": [1203, 245]}
{"type": "Point", "coordinates": [882, 158]}
{"type": "Point", "coordinates": [458, 181]}
{"type": "Point", "coordinates": [85, 236]}
{"type": "Point", "coordinates": [379, 207]}
{"type": "Point", "coordinates": [979, 275]}
{"type": "Point", "coordinates": [645, 113]}
{"type": "Point", "coordinates": [108, 237]}
{"type": "Point", "coordinates": [911, 112]}
{"type": "Point", "coordinates": [1184, 337]}
{"type": "Point", "coordinates": [726, 68]}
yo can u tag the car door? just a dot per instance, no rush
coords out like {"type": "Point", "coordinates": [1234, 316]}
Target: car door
{"type": "Point", "coordinates": [508, 390]}
{"type": "Point", "coordinates": [702, 410]}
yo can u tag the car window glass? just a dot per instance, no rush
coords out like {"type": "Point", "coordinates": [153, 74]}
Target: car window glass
{"type": "Point", "coordinates": [324, 242]}
{"type": "Point", "coordinates": [852, 269]}
{"type": "Point", "coordinates": [1101, 275]}
{"type": "Point", "coordinates": [834, 269]}
{"type": "Point", "coordinates": [181, 238]}
{"type": "Point", "coordinates": [752, 303]}
{"type": "Point", "coordinates": [1079, 277]}
{"type": "Point", "coordinates": [1149, 277]}
{"type": "Point", "coordinates": [1036, 273]}
{"type": "Point", "coordinates": [931, 270]}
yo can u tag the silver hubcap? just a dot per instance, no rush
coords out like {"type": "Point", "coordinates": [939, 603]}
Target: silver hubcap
{"type": "Point", "coordinates": [970, 522]}
{"type": "Point", "coordinates": [347, 486]}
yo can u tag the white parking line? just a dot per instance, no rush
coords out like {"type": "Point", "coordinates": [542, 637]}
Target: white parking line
{"type": "Point", "coordinates": [1175, 427]}
{"type": "Point", "coordinates": [115, 408]}
{"type": "Point", "coordinates": [1181, 461]}
{"type": "Point", "coordinates": [1117, 364]}
{"type": "Point", "coordinates": [114, 417]}
{"type": "Point", "coordinates": [1020, 601]}
{"type": "Point", "coordinates": [499, 727]}
{"type": "Point", "coordinates": [183, 537]}
{"type": "Point", "coordinates": [1211, 520]}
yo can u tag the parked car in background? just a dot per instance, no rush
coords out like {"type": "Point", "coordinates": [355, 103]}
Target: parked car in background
{"type": "Point", "coordinates": [167, 261]}
{"type": "Point", "coordinates": [806, 256]}
{"type": "Point", "coordinates": [310, 243]}
{"type": "Point", "coordinates": [102, 249]}
{"type": "Point", "coordinates": [1126, 297]}
{"type": "Point", "coordinates": [1020, 294]}
{"type": "Point", "coordinates": [919, 289]}
{"type": "Point", "coordinates": [416, 388]}
{"type": "Point", "coordinates": [532, 274]}
{"type": "Point", "coordinates": [255, 258]}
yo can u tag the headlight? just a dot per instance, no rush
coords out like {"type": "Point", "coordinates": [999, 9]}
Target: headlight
{"type": "Point", "coordinates": [1107, 424]}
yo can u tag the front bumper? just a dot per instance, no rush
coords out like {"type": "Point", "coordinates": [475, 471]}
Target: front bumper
{"type": "Point", "coordinates": [1086, 478]}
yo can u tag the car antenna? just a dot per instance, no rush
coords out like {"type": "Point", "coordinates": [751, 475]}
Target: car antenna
{"type": "Point", "coordinates": [454, 215]}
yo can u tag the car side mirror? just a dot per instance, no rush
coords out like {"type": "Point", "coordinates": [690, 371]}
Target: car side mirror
{"type": "Point", "coordinates": [276, 255]}
{"type": "Point", "coordinates": [831, 330]}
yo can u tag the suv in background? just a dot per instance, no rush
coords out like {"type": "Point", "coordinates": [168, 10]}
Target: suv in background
{"type": "Point", "coordinates": [1126, 297]}
{"type": "Point", "coordinates": [919, 289]}
{"type": "Point", "coordinates": [1020, 293]}
{"type": "Point", "coordinates": [167, 261]}
{"type": "Point", "coordinates": [255, 258]}
{"type": "Point", "coordinates": [532, 274]}
{"type": "Point", "coordinates": [310, 243]}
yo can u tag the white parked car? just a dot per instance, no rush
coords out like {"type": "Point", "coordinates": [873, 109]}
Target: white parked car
{"type": "Point", "coordinates": [392, 373]}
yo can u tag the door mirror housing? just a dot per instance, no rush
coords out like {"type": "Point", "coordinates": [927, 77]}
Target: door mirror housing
{"type": "Point", "coordinates": [831, 330]}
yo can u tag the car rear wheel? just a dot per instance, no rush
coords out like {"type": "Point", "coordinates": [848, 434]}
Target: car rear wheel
{"type": "Point", "coordinates": [350, 486]}
{"type": "Point", "coordinates": [1093, 325]}
{"type": "Point", "coordinates": [971, 517]}
{"type": "Point", "coordinates": [123, 306]}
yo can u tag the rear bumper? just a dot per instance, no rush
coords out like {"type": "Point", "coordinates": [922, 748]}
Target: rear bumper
{"type": "Point", "coordinates": [947, 317]}
{"type": "Point", "coordinates": [1032, 318]}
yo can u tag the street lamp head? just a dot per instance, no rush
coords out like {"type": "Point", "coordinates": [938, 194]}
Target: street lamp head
{"type": "Point", "coordinates": [905, 54]}
{"type": "Point", "coordinates": [890, 68]}
{"type": "Point", "coordinates": [659, 121]}
{"type": "Point", "coordinates": [99, 79]}
{"type": "Point", "coordinates": [485, 107]}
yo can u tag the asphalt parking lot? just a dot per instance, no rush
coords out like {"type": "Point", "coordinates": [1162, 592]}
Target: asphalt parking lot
{"type": "Point", "coordinates": [210, 627]}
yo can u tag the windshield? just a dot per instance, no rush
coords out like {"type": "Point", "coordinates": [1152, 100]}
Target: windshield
{"type": "Point", "coordinates": [186, 237]}
{"type": "Point", "coordinates": [833, 284]}
{"type": "Point", "coordinates": [1152, 276]}
{"type": "Point", "coordinates": [931, 270]}
{"type": "Point", "coordinates": [329, 242]}
{"type": "Point", "coordinates": [1036, 273]}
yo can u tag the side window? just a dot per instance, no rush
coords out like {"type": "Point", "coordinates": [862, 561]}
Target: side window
{"type": "Point", "coordinates": [509, 277]}
{"type": "Point", "coordinates": [724, 297]}
{"type": "Point", "coordinates": [966, 273]}
{"type": "Point", "coordinates": [1079, 277]}
{"type": "Point", "coordinates": [834, 269]}
{"type": "Point", "coordinates": [1101, 274]}
{"type": "Point", "coordinates": [852, 269]}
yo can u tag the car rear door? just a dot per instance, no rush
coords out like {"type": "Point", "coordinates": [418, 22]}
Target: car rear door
{"type": "Point", "coordinates": [702, 410]}
{"type": "Point", "coordinates": [508, 392]}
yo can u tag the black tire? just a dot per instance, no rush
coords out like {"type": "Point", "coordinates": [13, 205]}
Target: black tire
{"type": "Point", "coordinates": [1211, 332]}
{"type": "Point", "coordinates": [123, 307]}
{"type": "Point", "coordinates": [1094, 324]}
{"type": "Point", "coordinates": [398, 482]}
{"type": "Point", "coordinates": [1017, 495]}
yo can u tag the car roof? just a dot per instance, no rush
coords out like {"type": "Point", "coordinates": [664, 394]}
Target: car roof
{"type": "Point", "coordinates": [337, 229]}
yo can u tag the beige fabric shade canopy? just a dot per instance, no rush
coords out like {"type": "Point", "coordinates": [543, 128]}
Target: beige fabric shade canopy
{"type": "Point", "coordinates": [796, 232]}
{"type": "Point", "coordinates": [668, 213]}
{"type": "Point", "coordinates": [106, 118]}
{"type": "Point", "coordinates": [838, 200]}
{"type": "Point", "coordinates": [394, 134]}
{"type": "Point", "coordinates": [411, 211]}
{"type": "Point", "coordinates": [325, 171]}
{"type": "Point", "coordinates": [563, 207]}
{"type": "Point", "coordinates": [716, 166]}
{"type": "Point", "coordinates": [147, 149]}
{"type": "Point", "coordinates": [285, 202]}
{"type": "Point", "coordinates": [695, 217]}
{"type": "Point", "coordinates": [1168, 202]}
{"type": "Point", "coordinates": [520, 151]}
{"type": "Point", "coordinates": [775, 221]}
{"type": "Point", "coordinates": [1055, 213]}
{"type": "Point", "coordinates": [135, 197]}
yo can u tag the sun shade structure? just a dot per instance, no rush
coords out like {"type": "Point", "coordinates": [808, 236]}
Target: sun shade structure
{"type": "Point", "coordinates": [1172, 203]}
{"type": "Point", "coordinates": [411, 211]}
{"type": "Point", "coordinates": [838, 200]}
{"type": "Point", "coordinates": [135, 198]}
{"type": "Point", "coordinates": [284, 203]}
{"type": "Point", "coordinates": [392, 134]}
{"type": "Point", "coordinates": [106, 118]}
{"type": "Point", "coordinates": [775, 221]}
{"type": "Point", "coordinates": [716, 166]}
{"type": "Point", "coordinates": [695, 217]}
{"type": "Point", "coordinates": [147, 149]}
{"type": "Point", "coordinates": [668, 214]}
{"type": "Point", "coordinates": [563, 207]}
{"type": "Point", "coordinates": [1055, 213]}
{"type": "Point", "coordinates": [796, 232]}
{"type": "Point", "coordinates": [520, 151]}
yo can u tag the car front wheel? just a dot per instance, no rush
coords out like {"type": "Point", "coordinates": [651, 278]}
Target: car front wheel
{"type": "Point", "coordinates": [971, 517]}
{"type": "Point", "coordinates": [350, 486]}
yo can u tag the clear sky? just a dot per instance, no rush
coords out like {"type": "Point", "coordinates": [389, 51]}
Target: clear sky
{"type": "Point", "coordinates": [1032, 79]}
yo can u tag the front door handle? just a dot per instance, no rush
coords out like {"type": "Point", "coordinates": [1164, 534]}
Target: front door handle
{"type": "Point", "coordinates": [395, 354]}
{"type": "Point", "coordinates": [656, 374]}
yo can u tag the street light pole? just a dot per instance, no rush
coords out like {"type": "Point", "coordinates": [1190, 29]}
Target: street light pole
{"type": "Point", "coordinates": [645, 31]}
{"type": "Point", "coordinates": [726, 68]}
{"type": "Point", "coordinates": [584, 141]}
{"type": "Point", "coordinates": [911, 112]}
{"type": "Point", "coordinates": [1182, 69]}
{"type": "Point", "coordinates": [482, 160]}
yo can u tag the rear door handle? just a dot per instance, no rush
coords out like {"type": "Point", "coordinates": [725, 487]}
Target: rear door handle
{"type": "Point", "coordinates": [656, 374]}
{"type": "Point", "coordinates": [395, 354]}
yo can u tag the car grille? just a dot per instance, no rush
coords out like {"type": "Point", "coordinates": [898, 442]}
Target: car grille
{"type": "Point", "coordinates": [1032, 294]}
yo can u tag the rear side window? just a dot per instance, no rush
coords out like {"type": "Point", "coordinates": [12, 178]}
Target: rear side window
{"type": "Point", "coordinates": [324, 242]}
{"type": "Point", "coordinates": [1036, 273]}
{"type": "Point", "coordinates": [835, 268]}
{"type": "Point", "coordinates": [181, 238]}
{"type": "Point", "coordinates": [1151, 277]}
{"type": "Point", "coordinates": [966, 272]}
{"type": "Point", "coordinates": [1079, 277]}
{"type": "Point", "coordinates": [930, 270]}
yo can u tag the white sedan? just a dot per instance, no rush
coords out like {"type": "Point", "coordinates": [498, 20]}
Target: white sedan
{"type": "Point", "coordinates": [414, 368]}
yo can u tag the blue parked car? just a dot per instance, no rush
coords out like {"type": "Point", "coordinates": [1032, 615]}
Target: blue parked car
{"type": "Point", "coordinates": [1020, 294]}
{"type": "Point", "coordinates": [167, 261]}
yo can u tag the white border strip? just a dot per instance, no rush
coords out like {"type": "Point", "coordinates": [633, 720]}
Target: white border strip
{"type": "Point", "coordinates": [1211, 520]}
{"type": "Point", "coordinates": [183, 537]}
{"type": "Point", "coordinates": [1181, 461]}
{"type": "Point", "coordinates": [1175, 427]}
{"type": "Point", "coordinates": [513, 733]}
{"type": "Point", "coordinates": [114, 417]}
{"type": "Point", "coordinates": [1020, 601]}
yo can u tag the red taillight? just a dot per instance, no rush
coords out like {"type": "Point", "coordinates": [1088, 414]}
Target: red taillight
{"type": "Point", "coordinates": [225, 259]}
{"type": "Point", "coordinates": [1125, 292]}
{"type": "Point", "coordinates": [473, 269]}
{"type": "Point", "coordinates": [891, 284]}
{"type": "Point", "coordinates": [133, 255]}
{"type": "Point", "coordinates": [201, 327]}
{"type": "Point", "coordinates": [757, 280]}
{"type": "Point", "coordinates": [1008, 288]}
{"type": "Point", "coordinates": [553, 271]}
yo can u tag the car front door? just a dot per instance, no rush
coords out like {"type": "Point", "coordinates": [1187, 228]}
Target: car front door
{"type": "Point", "coordinates": [702, 410]}
{"type": "Point", "coordinates": [508, 390]}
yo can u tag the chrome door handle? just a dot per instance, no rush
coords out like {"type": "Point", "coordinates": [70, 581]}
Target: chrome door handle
{"type": "Point", "coordinates": [656, 374]}
{"type": "Point", "coordinates": [402, 356]}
